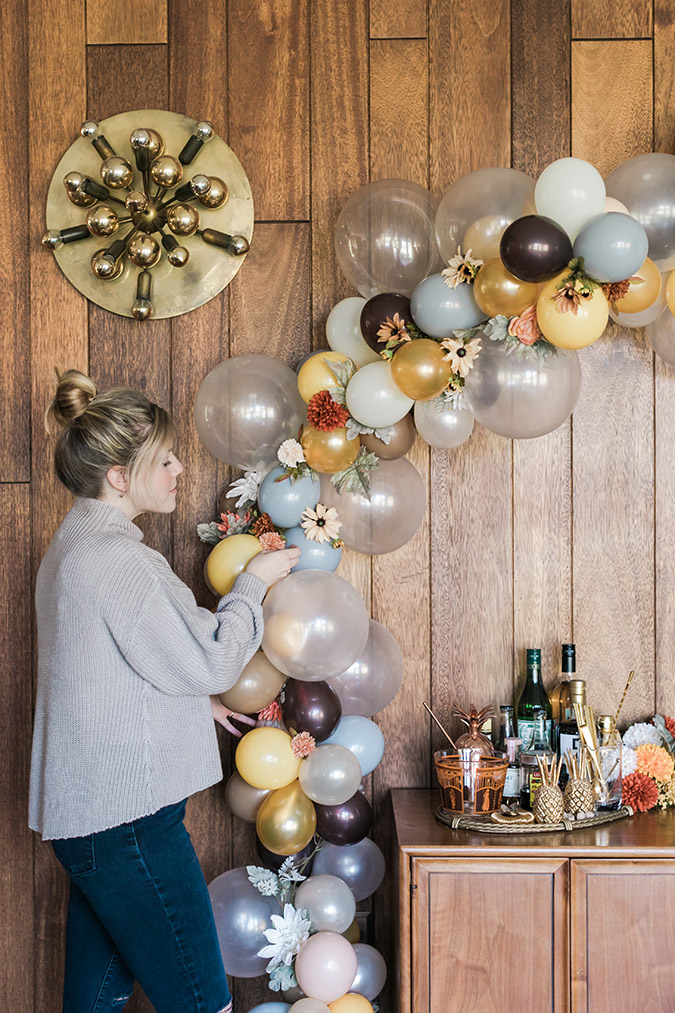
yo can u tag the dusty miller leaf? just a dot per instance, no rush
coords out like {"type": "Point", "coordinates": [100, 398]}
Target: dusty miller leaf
{"type": "Point", "coordinates": [356, 478]}
{"type": "Point", "coordinates": [497, 328]}
{"type": "Point", "coordinates": [209, 533]}
{"type": "Point", "coordinates": [342, 371]}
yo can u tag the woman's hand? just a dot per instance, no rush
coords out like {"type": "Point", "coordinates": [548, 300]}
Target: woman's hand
{"type": "Point", "coordinates": [221, 714]}
{"type": "Point", "coordinates": [272, 566]}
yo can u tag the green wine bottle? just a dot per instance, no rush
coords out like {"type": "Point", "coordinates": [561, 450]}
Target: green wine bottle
{"type": "Point", "coordinates": [532, 696]}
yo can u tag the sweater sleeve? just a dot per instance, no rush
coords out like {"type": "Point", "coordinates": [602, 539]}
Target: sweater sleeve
{"type": "Point", "coordinates": [183, 649]}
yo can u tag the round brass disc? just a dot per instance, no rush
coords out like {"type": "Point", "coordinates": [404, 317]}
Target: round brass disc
{"type": "Point", "coordinates": [174, 290]}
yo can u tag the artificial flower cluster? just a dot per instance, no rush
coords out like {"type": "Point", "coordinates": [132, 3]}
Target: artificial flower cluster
{"type": "Point", "coordinates": [649, 764]}
{"type": "Point", "coordinates": [290, 929]}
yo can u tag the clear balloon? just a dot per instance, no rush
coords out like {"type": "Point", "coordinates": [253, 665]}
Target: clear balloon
{"type": "Point", "coordinates": [646, 185]}
{"type": "Point", "coordinates": [384, 237]}
{"type": "Point", "coordinates": [613, 246]}
{"type": "Point", "coordinates": [313, 555]}
{"type": "Point", "coordinates": [315, 373]}
{"type": "Point", "coordinates": [286, 500]}
{"type": "Point", "coordinates": [228, 559]}
{"type": "Point", "coordinates": [286, 820]}
{"type": "Point", "coordinates": [241, 914]}
{"type": "Point", "coordinates": [245, 408]}
{"type": "Point", "coordinates": [443, 426]}
{"type": "Point", "coordinates": [570, 191]}
{"type": "Point", "coordinates": [325, 966]}
{"type": "Point", "coordinates": [371, 973]}
{"type": "Point", "coordinates": [391, 516]}
{"type": "Point", "coordinates": [243, 799]}
{"type": "Point", "coordinates": [400, 441]}
{"type": "Point", "coordinates": [259, 684]}
{"type": "Point", "coordinates": [330, 903]}
{"type": "Point", "coordinates": [361, 737]}
{"type": "Point", "coordinates": [264, 758]}
{"type": "Point", "coordinates": [374, 679]}
{"type": "Point", "coordinates": [477, 208]}
{"type": "Point", "coordinates": [519, 396]}
{"type": "Point", "coordinates": [344, 333]}
{"type": "Point", "coordinates": [316, 625]}
{"type": "Point", "coordinates": [374, 399]}
{"type": "Point", "coordinates": [330, 775]}
{"type": "Point", "coordinates": [661, 335]}
{"type": "Point", "coordinates": [645, 316]}
{"type": "Point", "coordinates": [438, 309]}
{"type": "Point", "coordinates": [360, 865]}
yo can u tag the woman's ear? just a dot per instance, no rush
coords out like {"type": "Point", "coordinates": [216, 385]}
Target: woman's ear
{"type": "Point", "coordinates": [117, 478]}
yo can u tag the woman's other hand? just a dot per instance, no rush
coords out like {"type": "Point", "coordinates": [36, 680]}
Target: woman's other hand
{"type": "Point", "coordinates": [273, 566]}
{"type": "Point", "coordinates": [222, 714]}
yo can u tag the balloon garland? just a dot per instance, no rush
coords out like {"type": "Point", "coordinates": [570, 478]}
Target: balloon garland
{"type": "Point", "coordinates": [426, 348]}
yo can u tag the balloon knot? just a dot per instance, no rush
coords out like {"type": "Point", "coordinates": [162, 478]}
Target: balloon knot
{"type": "Point", "coordinates": [303, 744]}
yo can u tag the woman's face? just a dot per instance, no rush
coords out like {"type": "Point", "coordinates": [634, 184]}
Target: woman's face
{"type": "Point", "coordinates": [155, 487]}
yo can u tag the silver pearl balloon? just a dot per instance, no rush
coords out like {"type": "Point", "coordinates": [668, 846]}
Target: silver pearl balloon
{"type": "Point", "coordinates": [445, 428]}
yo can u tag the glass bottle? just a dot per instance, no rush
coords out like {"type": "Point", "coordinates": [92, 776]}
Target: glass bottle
{"type": "Point", "coordinates": [609, 758]}
{"type": "Point", "coordinates": [538, 748]}
{"type": "Point", "coordinates": [561, 705]}
{"type": "Point", "coordinates": [533, 695]}
{"type": "Point", "coordinates": [567, 732]}
{"type": "Point", "coordinates": [513, 772]}
{"type": "Point", "coordinates": [507, 728]}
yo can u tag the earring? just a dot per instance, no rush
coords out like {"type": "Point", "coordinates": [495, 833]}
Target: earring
{"type": "Point", "coordinates": [121, 495]}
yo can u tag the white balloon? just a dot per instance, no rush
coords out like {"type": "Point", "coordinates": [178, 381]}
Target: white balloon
{"type": "Point", "coordinates": [612, 204]}
{"type": "Point", "coordinates": [570, 191]}
{"type": "Point", "coordinates": [374, 399]}
{"type": "Point", "coordinates": [447, 427]}
{"type": "Point", "coordinates": [343, 331]}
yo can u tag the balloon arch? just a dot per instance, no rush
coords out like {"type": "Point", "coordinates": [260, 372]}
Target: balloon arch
{"type": "Point", "coordinates": [473, 307]}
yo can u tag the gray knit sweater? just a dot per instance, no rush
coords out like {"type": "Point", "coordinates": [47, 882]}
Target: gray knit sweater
{"type": "Point", "coordinates": [126, 663]}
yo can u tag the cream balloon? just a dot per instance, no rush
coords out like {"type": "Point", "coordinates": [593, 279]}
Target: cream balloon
{"type": "Point", "coordinates": [344, 333]}
{"type": "Point", "coordinates": [443, 426]}
{"type": "Point", "coordinates": [259, 683]}
{"type": "Point", "coordinates": [570, 191]}
{"type": "Point", "coordinates": [612, 204]}
{"type": "Point", "coordinates": [374, 399]}
{"type": "Point", "coordinates": [309, 1006]}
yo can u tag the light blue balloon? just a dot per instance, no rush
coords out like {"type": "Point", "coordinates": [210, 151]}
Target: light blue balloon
{"type": "Point", "coordinates": [313, 555]}
{"type": "Point", "coordinates": [285, 501]}
{"type": "Point", "coordinates": [362, 737]}
{"type": "Point", "coordinates": [614, 246]}
{"type": "Point", "coordinates": [271, 1007]}
{"type": "Point", "coordinates": [438, 309]}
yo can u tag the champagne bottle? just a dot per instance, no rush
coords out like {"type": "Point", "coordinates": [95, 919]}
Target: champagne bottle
{"type": "Point", "coordinates": [533, 695]}
{"type": "Point", "coordinates": [560, 697]}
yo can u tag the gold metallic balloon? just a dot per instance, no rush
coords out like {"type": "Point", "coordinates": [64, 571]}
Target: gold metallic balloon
{"type": "Point", "coordinates": [243, 799]}
{"type": "Point", "coordinates": [643, 291]}
{"type": "Point", "coordinates": [217, 195]}
{"type": "Point", "coordinates": [136, 201]}
{"type": "Point", "coordinates": [259, 684]}
{"type": "Point", "coordinates": [314, 375]}
{"type": "Point", "coordinates": [144, 251]}
{"type": "Point", "coordinates": [102, 220]}
{"type": "Point", "coordinates": [400, 443]}
{"type": "Point", "coordinates": [116, 172]}
{"type": "Point", "coordinates": [166, 171]}
{"type": "Point", "coordinates": [104, 267]}
{"type": "Point", "coordinates": [286, 820]}
{"type": "Point", "coordinates": [497, 291]}
{"type": "Point", "coordinates": [328, 452]}
{"type": "Point", "coordinates": [419, 370]}
{"type": "Point", "coordinates": [182, 219]}
{"type": "Point", "coordinates": [156, 144]}
{"type": "Point", "coordinates": [670, 292]}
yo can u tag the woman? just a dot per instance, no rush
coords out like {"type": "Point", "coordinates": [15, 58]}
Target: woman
{"type": "Point", "coordinates": [124, 729]}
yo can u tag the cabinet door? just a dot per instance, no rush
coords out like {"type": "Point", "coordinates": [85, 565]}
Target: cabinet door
{"type": "Point", "coordinates": [490, 934]}
{"type": "Point", "coordinates": [623, 936]}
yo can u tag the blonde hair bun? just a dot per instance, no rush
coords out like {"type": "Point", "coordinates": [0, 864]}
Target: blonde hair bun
{"type": "Point", "coordinates": [74, 391]}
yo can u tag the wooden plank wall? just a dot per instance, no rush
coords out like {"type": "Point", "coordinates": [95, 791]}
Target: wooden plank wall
{"type": "Point", "coordinates": [525, 543]}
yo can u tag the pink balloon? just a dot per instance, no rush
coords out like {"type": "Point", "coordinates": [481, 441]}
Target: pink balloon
{"type": "Point", "coordinates": [326, 966]}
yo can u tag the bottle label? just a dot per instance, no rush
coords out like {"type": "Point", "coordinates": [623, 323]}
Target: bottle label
{"type": "Point", "coordinates": [568, 742]}
{"type": "Point", "coordinates": [512, 783]}
{"type": "Point", "coordinates": [535, 782]}
{"type": "Point", "coordinates": [526, 729]}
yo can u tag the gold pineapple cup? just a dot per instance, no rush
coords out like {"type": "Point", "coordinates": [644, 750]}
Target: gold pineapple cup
{"type": "Point", "coordinates": [548, 804]}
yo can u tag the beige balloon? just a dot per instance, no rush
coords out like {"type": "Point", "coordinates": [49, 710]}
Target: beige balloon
{"type": "Point", "coordinates": [243, 799]}
{"type": "Point", "coordinates": [259, 683]}
{"type": "Point", "coordinates": [400, 443]}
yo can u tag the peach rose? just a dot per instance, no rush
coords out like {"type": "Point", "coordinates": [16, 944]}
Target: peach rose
{"type": "Point", "coordinates": [525, 327]}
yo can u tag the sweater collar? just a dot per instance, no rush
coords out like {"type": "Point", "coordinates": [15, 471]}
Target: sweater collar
{"type": "Point", "coordinates": [97, 515]}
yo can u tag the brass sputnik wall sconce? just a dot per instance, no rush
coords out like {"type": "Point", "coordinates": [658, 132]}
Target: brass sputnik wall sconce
{"type": "Point", "coordinates": [154, 242]}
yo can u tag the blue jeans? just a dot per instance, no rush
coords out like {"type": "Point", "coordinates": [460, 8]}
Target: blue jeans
{"type": "Point", "coordinates": [139, 909]}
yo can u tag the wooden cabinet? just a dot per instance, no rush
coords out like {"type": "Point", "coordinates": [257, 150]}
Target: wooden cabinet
{"type": "Point", "coordinates": [581, 921]}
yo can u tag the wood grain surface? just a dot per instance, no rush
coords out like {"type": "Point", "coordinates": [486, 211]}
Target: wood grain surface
{"type": "Point", "coordinates": [398, 19]}
{"type": "Point", "coordinates": [606, 19]}
{"type": "Point", "coordinates": [127, 21]}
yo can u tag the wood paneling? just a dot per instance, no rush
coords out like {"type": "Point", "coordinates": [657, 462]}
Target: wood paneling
{"type": "Point", "coordinates": [664, 94]}
{"type": "Point", "coordinates": [399, 111]}
{"type": "Point", "coordinates": [664, 515]}
{"type": "Point", "coordinates": [398, 19]}
{"type": "Point", "coordinates": [127, 21]}
{"type": "Point", "coordinates": [268, 59]}
{"type": "Point", "coordinates": [606, 19]}
{"type": "Point", "coordinates": [144, 72]}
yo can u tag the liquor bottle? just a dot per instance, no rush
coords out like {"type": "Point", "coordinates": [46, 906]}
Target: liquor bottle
{"type": "Point", "coordinates": [539, 747]}
{"type": "Point", "coordinates": [533, 695]}
{"type": "Point", "coordinates": [560, 697]}
{"type": "Point", "coordinates": [507, 728]}
{"type": "Point", "coordinates": [513, 771]}
{"type": "Point", "coordinates": [567, 732]}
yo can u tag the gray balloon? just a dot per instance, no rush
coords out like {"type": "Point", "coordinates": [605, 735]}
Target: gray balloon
{"type": "Point", "coordinates": [374, 679]}
{"type": "Point", "coordinates": [371, 971]}
{"type": "Point", "coordinates": [661, 336]}
{"type": "Point", "coordinates": [246, 407]}
{"type": "Point", "coordinates": [522, 396]}
{"type": "Point", "coordinates": [241, 914]}
{"type": "Point", "coordinates": [443, 426]}
{"type": "Point", "coordinates": [360, 865]}
{"type": "Point", "coordinates": [646, 185]}
{"type": "Point", "coordinates": [613, 246]}
{"type": "Point", "coordinates": [438, 309]}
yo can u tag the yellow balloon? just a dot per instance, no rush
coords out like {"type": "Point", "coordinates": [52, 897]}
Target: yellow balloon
{"type": "Point", "coordinates": [670, 292]}
{"type": "Point", "coordinates": [569, 330]}
{"type": "Point", "coordinates": [419, 370]}
{"type": "Point", "coordinates": [351, 1003]}
{"type": "Point", "coordinates": [497, 291]}
{"type": "Point", "coordinates": [315, 375]}
{"type": "Point", "coordinates": [484, 236]}
{"type": "Point", "coordinates": [643, 292]}
{"type": "Point", "coordinates": [264, 758]}
{"type": "Point", "coordinates": [328, 452]}
{"type": "Point", "coordinates": [286, 820]}
{"type": "Point", "coordinates": [227, 560]}
{"type": "Point", "coordinates": [353, 933]}
{"type": "Point", "coordinates": [259, 683]}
